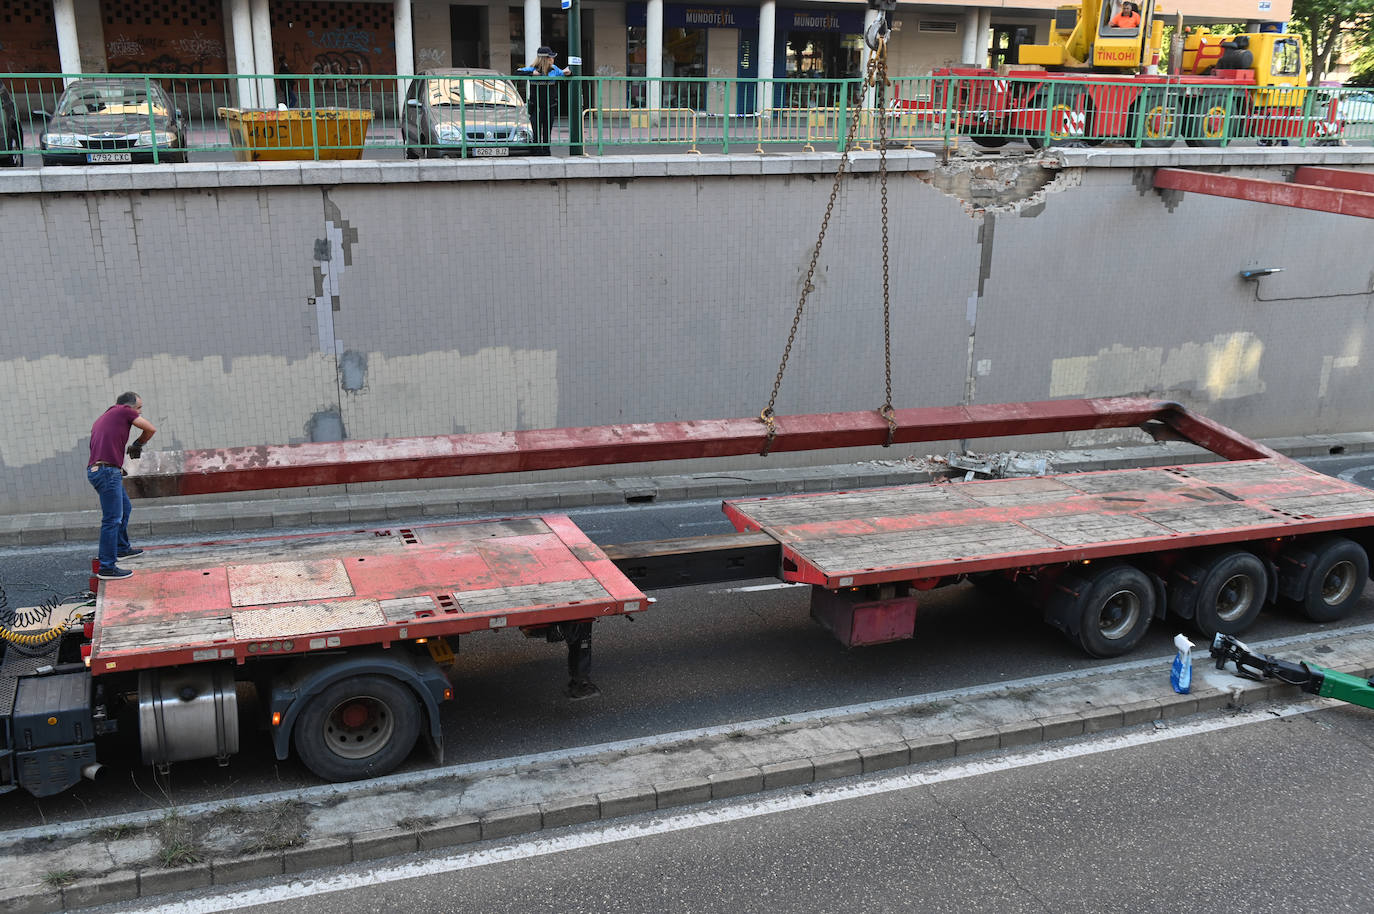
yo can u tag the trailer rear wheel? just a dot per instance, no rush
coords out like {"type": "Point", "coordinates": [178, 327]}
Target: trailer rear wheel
{"type": "Point", "coordinates": [1106, 608]}
{"type": "Point", "coordinates": [359, 727]}
{"type": "Point", "coordinates": [1336, 569]}
{"type": "Point", "coordinates": [1230, 591]}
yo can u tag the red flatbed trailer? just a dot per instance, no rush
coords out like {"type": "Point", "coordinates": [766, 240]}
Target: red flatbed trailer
{"type": "Point", "coordinates": [1100, 553]}
{"type": "Point", "coordinates": [932, 531]}
{"type": "Point", "coordinates": [342, 635]}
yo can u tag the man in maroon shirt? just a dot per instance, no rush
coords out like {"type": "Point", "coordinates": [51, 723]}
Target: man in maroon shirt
{"type": "Point", "coordinates": [105, 471]}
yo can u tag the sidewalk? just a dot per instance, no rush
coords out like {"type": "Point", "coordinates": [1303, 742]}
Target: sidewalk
{"type": "Point", "coordinates": [51, 867]}
{"type": "Point", "coordinates": [421, 505]}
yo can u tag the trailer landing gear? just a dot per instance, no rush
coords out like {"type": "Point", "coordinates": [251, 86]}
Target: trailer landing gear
{"type": "Point", "coordinates": [578, 635]}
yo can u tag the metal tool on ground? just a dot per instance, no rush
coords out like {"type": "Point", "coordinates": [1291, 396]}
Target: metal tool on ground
{"type": "Point", "coordinates": [1313, 679]}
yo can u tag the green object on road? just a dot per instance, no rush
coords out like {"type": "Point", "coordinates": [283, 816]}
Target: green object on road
{"type": "Point", "coordinates": [1313, 679]}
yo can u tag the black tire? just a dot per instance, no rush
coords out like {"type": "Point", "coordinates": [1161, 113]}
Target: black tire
{"type": "Point", "coordinates": [1105, 608]}
{"type": "Point", "coordinates": [1223, 593]}
{"type": "Point", "coordinates": [360, 727]}
{"type": "Point", "coordinates": [1155, 115]}
{"type": "Point", "coordinates": [1207, 120]}
{"type": "Point", "coordinates": [991, 142]}
{"type": "Point", "coordinates": [1335, 570]}
{"type": "Point", "coordinates": [1069, 104]}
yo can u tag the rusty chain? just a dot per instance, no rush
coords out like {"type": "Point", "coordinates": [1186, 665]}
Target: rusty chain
{"type": "Point", "coordinates": [876, 76]}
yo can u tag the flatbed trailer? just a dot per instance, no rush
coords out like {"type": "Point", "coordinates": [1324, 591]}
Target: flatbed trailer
{"type": "Point", "coordinates": [344, 637]}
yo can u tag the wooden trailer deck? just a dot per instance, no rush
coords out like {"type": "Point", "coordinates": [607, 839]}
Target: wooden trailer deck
{"type": "Point", "coordinates": [915, 532]}
{"type": "Point", "coordinates": [295, 595]}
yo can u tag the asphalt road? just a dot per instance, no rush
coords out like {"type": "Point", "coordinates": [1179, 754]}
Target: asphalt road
{"type": "Point", "coordinates": [700, 657]}
{"type": "Point", "coordinates": [1267, 816]}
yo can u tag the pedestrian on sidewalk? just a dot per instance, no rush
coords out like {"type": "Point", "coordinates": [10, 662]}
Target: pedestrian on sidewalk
{"type": "Point", "coordinates": [105, 472]}
{"type": "Point", "coordinates": [541, 94]}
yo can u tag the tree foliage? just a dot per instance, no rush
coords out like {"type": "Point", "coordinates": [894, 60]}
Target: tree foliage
{"type": "Point", "coordinates": [1328, 27]}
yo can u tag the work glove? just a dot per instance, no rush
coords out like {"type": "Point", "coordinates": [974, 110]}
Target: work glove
{"type": "Point", "coordinates": [135, 451]}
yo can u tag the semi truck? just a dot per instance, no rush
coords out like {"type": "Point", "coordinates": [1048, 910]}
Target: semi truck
{"type": "Point", "coordinates": [1100, 77]}
{"type": "Point", "coordinates": [338, 643]}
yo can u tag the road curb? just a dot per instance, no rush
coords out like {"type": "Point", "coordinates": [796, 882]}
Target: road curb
{"type": "Point", "coordinates": [740, 776]}
{"type": "Point", "coordinates": [164, 517]}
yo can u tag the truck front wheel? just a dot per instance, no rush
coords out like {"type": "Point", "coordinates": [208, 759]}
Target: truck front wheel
{"type": "Point", "coordinates": [360, 727]}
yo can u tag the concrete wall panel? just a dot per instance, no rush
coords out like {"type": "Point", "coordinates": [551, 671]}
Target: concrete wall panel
{"type": "Point", "coordinates": [302, 311]}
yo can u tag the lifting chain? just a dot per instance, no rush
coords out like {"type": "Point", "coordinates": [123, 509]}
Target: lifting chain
{"type": "Point", "coordinates": [875, 78]}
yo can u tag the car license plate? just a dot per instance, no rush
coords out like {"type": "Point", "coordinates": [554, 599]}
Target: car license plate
{"type": "Point", "coordinates": [96, 157]}
{"type": "Point", "coordinates": [490, 151]}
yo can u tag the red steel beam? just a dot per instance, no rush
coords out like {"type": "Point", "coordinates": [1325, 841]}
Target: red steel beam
{"type": "Point", "coordinates": [243, 469]}
{"type": "Point", "coordinates": [1301, 196]}
{"type": "Point", "coordinates": [1340, 178]}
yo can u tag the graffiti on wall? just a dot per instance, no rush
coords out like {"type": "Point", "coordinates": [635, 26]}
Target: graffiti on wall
{"type": "Point", "coordinates": [339, 41]}
{"type": "Point", "coordinates": [156, 36]}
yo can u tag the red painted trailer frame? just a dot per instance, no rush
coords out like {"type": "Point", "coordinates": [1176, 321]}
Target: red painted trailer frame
{"type": "Point", "coordinates": [343, 634]}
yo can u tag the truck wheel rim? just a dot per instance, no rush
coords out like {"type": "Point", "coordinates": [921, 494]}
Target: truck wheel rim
{"type": "Point", "coordinates": [1338, 583]}
{"type": "Point", "coordinates": [1214, 122]}
{"type": "Point", "coordinates": [1159, 122]}
{"type": "Point", "coordinates": [358, 727]}
{"type": "Point", "coordinates": [1235, 597]}
{"type": "Point", "coordinates": [1119, 614]}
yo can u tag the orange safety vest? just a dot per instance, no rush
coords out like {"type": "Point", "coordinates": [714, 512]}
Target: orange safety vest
{"type": "Point", "coordinates": [1125, 21]}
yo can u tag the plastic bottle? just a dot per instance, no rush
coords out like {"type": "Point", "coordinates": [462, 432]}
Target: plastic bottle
{"type": "Point", "coordinates": [1182, 676]}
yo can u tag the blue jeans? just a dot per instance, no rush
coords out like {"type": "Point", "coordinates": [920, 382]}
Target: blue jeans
{"type": "Point", "coordinates": [114, 513]}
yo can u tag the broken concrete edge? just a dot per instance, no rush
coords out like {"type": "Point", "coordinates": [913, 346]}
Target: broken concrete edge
{"type": "Point", "coordinates": [433, 505]}
{"type": "Point", "coordinates": [425, 835]}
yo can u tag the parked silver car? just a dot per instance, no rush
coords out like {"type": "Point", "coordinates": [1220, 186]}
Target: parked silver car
{"type": "Point", "coordinates": [466, 112]}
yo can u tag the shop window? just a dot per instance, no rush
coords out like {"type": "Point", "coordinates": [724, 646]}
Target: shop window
{"type": "Point", "coordinates": [684, 58]}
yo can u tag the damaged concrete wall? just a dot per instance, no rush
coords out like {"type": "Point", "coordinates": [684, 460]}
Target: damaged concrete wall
{"type": "Point", "coordinates": [247, 315]}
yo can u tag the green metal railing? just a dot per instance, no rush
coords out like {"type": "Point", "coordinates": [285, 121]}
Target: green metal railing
{"type": "Point", "coordinates": [170, 117]}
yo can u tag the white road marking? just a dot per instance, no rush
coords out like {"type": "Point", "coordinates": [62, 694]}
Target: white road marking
{"type": "Point", "coordinates": [795, 799]}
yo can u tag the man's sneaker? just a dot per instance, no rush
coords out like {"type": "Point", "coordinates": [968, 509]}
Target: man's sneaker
{"type": "Point", "coordinates": [113, 574]}
{"type": "Point", "coordinates": [579, 691]}
{"type": "Point", "coordinates": [131, 554]}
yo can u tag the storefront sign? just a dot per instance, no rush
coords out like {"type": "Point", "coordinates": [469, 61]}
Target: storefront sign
{"type": "Point", "coordinates": [846, 23]}
{"type": "Point", "coordinates": [696, 17]}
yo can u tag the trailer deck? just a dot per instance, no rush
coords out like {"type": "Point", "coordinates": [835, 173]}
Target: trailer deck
{"type": "Point", "coordinates": [294, 595]}
{"type": "Point", "coordinates": [920, 532]}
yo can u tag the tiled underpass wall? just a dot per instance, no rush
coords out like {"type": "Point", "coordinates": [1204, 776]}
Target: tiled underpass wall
{"type": "Point", "coordinates": [393, 299]}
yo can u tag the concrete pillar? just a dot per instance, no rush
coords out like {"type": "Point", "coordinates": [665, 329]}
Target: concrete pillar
{"type": "Point", "coordinates": [653, 51]}
{"type": "Point", "coordinates": [969, 52]}
{"type": "Point", "coordinates": [68, 47]}
{"type": "Point", "coordinates": [405, 52]}
{"type": "Point", "coordinates": [768, 31]}
{"type": "Point", "coordinates": [263, 60]}
{"type": "Point", "coordinates": [241, 27]}
{"type": "Point", "coordinates": [984, 37]}
{"type": "Point", "coordinates": [534, 32]}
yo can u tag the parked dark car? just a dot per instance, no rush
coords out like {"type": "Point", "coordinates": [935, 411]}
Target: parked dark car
{"type": "Point", "coordinates": [11, 131]}
{"type": "Point", "coordinates": [466, 112]}
{"type": "Point", "coordinates": [101, 121]}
